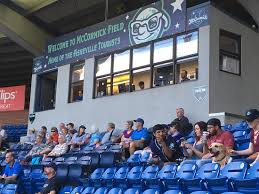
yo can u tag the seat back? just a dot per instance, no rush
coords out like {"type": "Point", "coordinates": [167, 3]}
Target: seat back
{"type": "Point", "coordinates": [145, 156]}
{"type": "Point", "coordinates": [71, 160]}
{"type": "Point", "coordinates": [238, 135]}
{"type": "Point", "coordinates": [106, 159]}
{"type": "Point", "coordinates": [62, 170]}
{"type": "Point", "coordinates": [102, 190]}
{"type": "Point", "coordinates": [209, 170]}
{"type": "Point", "coordinates": [84, 160]}
{"type": "Point", "coordinates": [88, 190]}
{"type": "Point", "coordinates": [135, 173]}
{"type": "Point", "coordinates": [186, 171]}
{"type": "Point", "coordinates": [116, 148]}
{"type": "Point", "coordinates": [134, 159]}
{"type": "Point", "coordinates": [122, 173]}
{"type": "Point", "coordinates": [116, 191]}
{"type": "Point", "coordinates": [167, 172]}
{"type": "Point", "coordinates": [173, 192]}
{"type": "Point", "coordinates": [97, 174]}
{"type": "Point", "coordinates": [95, 158]}
{"type": "Point", "coordinates": [59, 160]}
{"type": "Point", "coordinates": [77, 190]}
{"type": "Point", "coordinates": [253, 172]}
{"type": "Point", "coordinates": [109, 173]}
{"type": "Point", "coordinates": [75, 171]}
{"type": "Point", "coordinates": [150, 172]}
{"type": "Point", "coordinates": [66, 189]}
{"type": "Point", "coordinates": [132, 191]}
{"type": "Point", "coordinates": [236, 170]}
{"type": "Point", "coordinates": [46, 161]}
{"type": "Point", "coordinates": [151, 191]}
{"type": "Point", "coordinates": [9, 189]}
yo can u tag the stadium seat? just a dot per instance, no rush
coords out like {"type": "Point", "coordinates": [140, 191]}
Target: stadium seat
{"type": "Point", "coordinates": [77, 190]}
{"type": "Point", "coordinates": [95, 177]}
{"type": "Point", "coordinates": [185, 171]}
{"type": "Point", "coordinates": [173, 192]}
{"type": "Point", "coordinates": [134, 160]}
{"type": "Point", "coordinates": [88, 190]}
{"type": "Point", "coordinates": [107, 176]}
{"type": "Point", "coordinates": [102, 190]}
{"type": "Point", "coordinates": [86, 149]}
{"type": "Point", "coordinates": [149, 176]}
{"type": "Point", "coordinates": [240, 137]}
{"type": "Point", "coordinates": [115, 148]}
{"type": "Point", "coordinates": [66, 189]}
{"type": "Point", "coordinates": [201, 192]}
{"type": "Point", "coordinates": [9, 189]}
{"type": "Point", "coordinates": [102, 148]}
{"type": "Point", "coordinates": [75, 172]}
{"type": "Point", "coordinates": [84, 160]}
{"type": "Point", "coordinates": [201, 162]}
{"type": "Point", "coordinates": [71, 160]}
{"type": "Point", "coordinates": [151, 191]}
{"type": "Point", "coordinates": [59, 160]}
{"type": "Point", "coordinates": [46, 161]}
{"type": "Point", "coordinates": [1, 187]}
{"type": "Point", "coordinates": [116, 191]}
{"type": "Point", "coordinates": [62, 171]}
{"type": "Point", "coordinates": [106, 159]}
{"type": "Point", "coordinates": [134, 177]}
{"type": "Point", "coordinates": [232, 193]}
{"type": "Point", "coordinates": [132, 191]}
{"type": "Point", "coordinates": [209, 170]}
{"type": "Point", "coordinates": [233, 170]}
{"type": "Point", "coordinates": [95, 158]}
{"type": "Point", "coordinates": [120, 176]}
{"type": "Point", "coordinates": [250, 184]}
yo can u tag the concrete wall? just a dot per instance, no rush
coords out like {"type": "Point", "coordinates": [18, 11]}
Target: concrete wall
{"type": "Point", "coordinates": [153, 105]}
{"type": "Point", "coordinates": [232, 93]}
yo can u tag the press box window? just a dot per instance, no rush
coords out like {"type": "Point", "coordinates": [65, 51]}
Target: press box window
{"type": "Point", "coordinates": [230, 52]}
{"type": "Point", "coordinates": [46, 91]}
{"type": "Point", "coordinates": [76, 82]}
{"type": "Point", "coordinates": [187, 70]}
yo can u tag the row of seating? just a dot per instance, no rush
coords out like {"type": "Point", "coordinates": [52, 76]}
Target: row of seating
{"type": "Point", "coordinates": [14, 132]}
{"type": "Point", "coordinates": [8, 188]}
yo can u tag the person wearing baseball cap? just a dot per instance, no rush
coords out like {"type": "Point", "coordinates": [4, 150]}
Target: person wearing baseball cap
{"type": "Point", "coordinates": [251, 115]}
{"type": "Point", "coordinates": [138, 137]}
{"type": "Point", "coordinates": [51, 185]}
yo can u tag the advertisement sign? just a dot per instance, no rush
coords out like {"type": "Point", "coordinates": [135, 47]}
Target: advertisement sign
{"type": "Point", "coordinates": [157, 20]}
{"type": "Point", "coordinates": [198, 16]}
{"type": "Point", "coordinates": [12, 98]}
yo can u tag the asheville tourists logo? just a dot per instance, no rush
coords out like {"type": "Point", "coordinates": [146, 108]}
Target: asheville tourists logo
{"type": "Point", "coordinates": [148, 24]}
{"type": "Point", "coordinates": [37, 65]}
{"type": "Point", "coordinates": [200, 93]}
{"type": "Point", "coordinates": [198, 17]}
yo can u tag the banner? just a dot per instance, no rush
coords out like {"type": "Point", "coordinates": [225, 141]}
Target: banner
{"type": "Point", "coordinates": [157, 20]}
{"type": "Point", "coordinates": [12, 98]}
{"type": "Point", "coordinates": [198, 16]}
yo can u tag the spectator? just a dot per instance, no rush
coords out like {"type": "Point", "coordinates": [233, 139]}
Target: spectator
{"type": "Point", "coordinates": [79, 138]}
{"type": "Point", "coordinates": [44, 134]}
{"type": "Point", "coordinates": [253, 148]}
{"type": "Point", "coordinates": [125, 139]}
{"type": "Point", "coordinates": [79, 97]}
{"type": "Point", "coordinates": [48, 146]}
{"type": "Point", "coordinates": [59, 149]}
{"type": "Point", "coordinates": [71, 129]}
{"type": "Point", "coordinates": [31, 137]}
{"type": "Point", "coordinates": [12, 170]}
{"type": "Point", "coordinates": [174, 131]}
{"type": "Point", "coordinates": [61, 126]}
{"type": "Point", "coordinates": [36, 149]}
{"type": "Point", "coordinates": [196, 151]}
{"type": "Point", "coordinates": [95, 139]}
{"type": "Point", "coordinates": [164, 147]}
{"type": "Point", "coordinates": [3, 136]}
{"type": "Point", "coordinates": [186, 127]}
{"type": "Point", "coordinates": [141, 85]}
{"type": "Point", "coordinates": [51, 185]}
{"type": "Point", "coordinates": [184, 77]}
{"type": "Point", "coordinates": [111, 135]}
{"type": "Point", "coordinates": [54, 134]}
{"type": "Point", "coordinates": [139, 136]}
{"type": "Point", "coordinates": [64, 131]}
{"type": "Point", "coordinates": [217, 135]}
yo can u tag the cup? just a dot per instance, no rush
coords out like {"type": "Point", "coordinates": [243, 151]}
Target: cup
{"type": "Point", "coordinates": [205, 136]}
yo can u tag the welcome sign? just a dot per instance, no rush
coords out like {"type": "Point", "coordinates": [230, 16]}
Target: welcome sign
{"type": "Point", "coordinates": [148, 23]}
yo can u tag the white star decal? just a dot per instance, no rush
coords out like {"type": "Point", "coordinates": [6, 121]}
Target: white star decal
{"type": "Point", "coordinates": [124, 30]}
{"type": "Point", "coordinates": [177, 5]}
{"type": "Point", "coordinates": [177, 25]}
{"type": "Point", "coordinates": [127, 17]}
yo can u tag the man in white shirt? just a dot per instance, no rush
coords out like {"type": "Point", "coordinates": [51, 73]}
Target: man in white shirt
{"type": "Point", "coordinates": [2, 135]}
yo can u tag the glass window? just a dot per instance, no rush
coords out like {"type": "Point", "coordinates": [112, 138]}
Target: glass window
{"type": "Point", "coordinates": [163, 75]}
{"type": "Point", "coordinates": [121, 83]}
{"type": "Point", "coordinates": [77, 83]}
{"type": "Point", "coordinates": [230, 52]}
{"type": "Point", "coordinates": [187, 44]}
{"type": "Point", "coordinates": [103, 66]}
{"type": "Point", "coordinates": [187, 71]}
{"type": "Point", "coordinates": [121, 61]}
{"type": "Point", "coordinates": [141, 56]}
{"type": "Point", "coordinates": [141, 79]}
{"type": "Point", "coordinates": [163, 50]}
{"type": "Point", "coordinates": [103, 86]}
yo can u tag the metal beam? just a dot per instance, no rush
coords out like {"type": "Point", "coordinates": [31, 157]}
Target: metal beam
{"type": "Point", "coordinates": [22, 31]}
{"type": "Point", "coordinates": [42, 5]}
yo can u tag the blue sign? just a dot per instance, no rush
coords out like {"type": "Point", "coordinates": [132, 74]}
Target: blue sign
{"type": "Point", "coordinates": [198, 17]}
{"type": "Point", "coordinates": [160, 19]}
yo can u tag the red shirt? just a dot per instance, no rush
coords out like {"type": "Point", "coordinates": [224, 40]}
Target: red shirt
{"type": "Point", "coordinates": [55, 138]}
{"type": "Point", "coordinates": [255, 145]}
{"type": "Point", "coordinates": [226, 138]}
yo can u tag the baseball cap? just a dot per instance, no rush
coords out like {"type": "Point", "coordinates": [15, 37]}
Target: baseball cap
{"type": "Point", "coordinates": [252, 114]}
{"type": "Point", "coordinates": [82, 126]}
{"type": "Point", "coordinates": [140, 120]}
{"type": "Point", "coordinates": [51, 165]}
{"type": "Point", "coordinates": [214, 122]}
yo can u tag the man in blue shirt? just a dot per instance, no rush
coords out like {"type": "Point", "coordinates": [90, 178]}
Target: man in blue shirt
{"type": "Point", "coordinates": [138, 137]}
{"type": "Point", "coordinates": [12, 170]}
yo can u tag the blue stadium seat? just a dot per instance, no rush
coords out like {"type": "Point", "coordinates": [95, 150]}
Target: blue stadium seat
{"type": "Point", "coordinates": [75, 172]}
{"type": "Point", "coordinates": [88, 190]}
{"type": "Point", "coordinates": [201, 162]}
{"type": "Point", "coordinates": [116, 191]}
{"type": "Point", "coordinates": [9, 189]}
{"type": "Point", "coordinates": [46, 161]}
{"type": "Point", "coordinates": [59, 160]}
{"type": "Point", "coordinates": [228, 127]}
{"type": "Point", "coordinates": [134, 160]}
{"type": "Point", "coordinates": [209, 170]}
{"type": "Point", "coordinates": [250, 184]}
{"type": "Point", "coordinates": [95, 158]}
{"type": "Point", "coordinates": [185, 171]}
{"type": "Point", "coordinates": [66, 189]}
{"type": "Point", "coordinates": [233, 170]}
{"type": "Point", "coordinates": [116, 148]}
{"type": "Point", "coordinates": [77, 190]}
{"type": "Point", "coordinates": [120, 176]}
{"type": "Point", "coordinates": [1, 187]}
{"type": "Point", "coordinates": [240, 137]}
{"type": "Point", "coordinates": [84, 161]}
{"type": "Point", "coordinates": [201, 192]}
{"type": "Point", "coordinates": [173, 192]}
{"type": "Point", "coordinates": [132, 191]}
{"type": "Point", "coordinates": [102, 190]}
{"type": "Point", "coordinates": [62, 171]}
{"type": "Point", "coordinates": [151, 191]}
{"type": "Point", "coordinates": [95, 177]}
{"type": "Point", "coordinates": [86, 149]}
{"type": "Point", "coordinates": [134, 177]}
{"type": "Point", "coordinates": [71, 160]}
{"type": "Point", "coordinates": [107, 177]}
{"type": "Point", "coordinates": [106, 159]}
{"type": "Point", "coordinates": [144, 158]}
{"type": "Point", "coordinates": [102, 148]}
{"type": "Point", "coordinates": [149, 176]}
{"type": "Point", "coordinates": [232, 193]}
